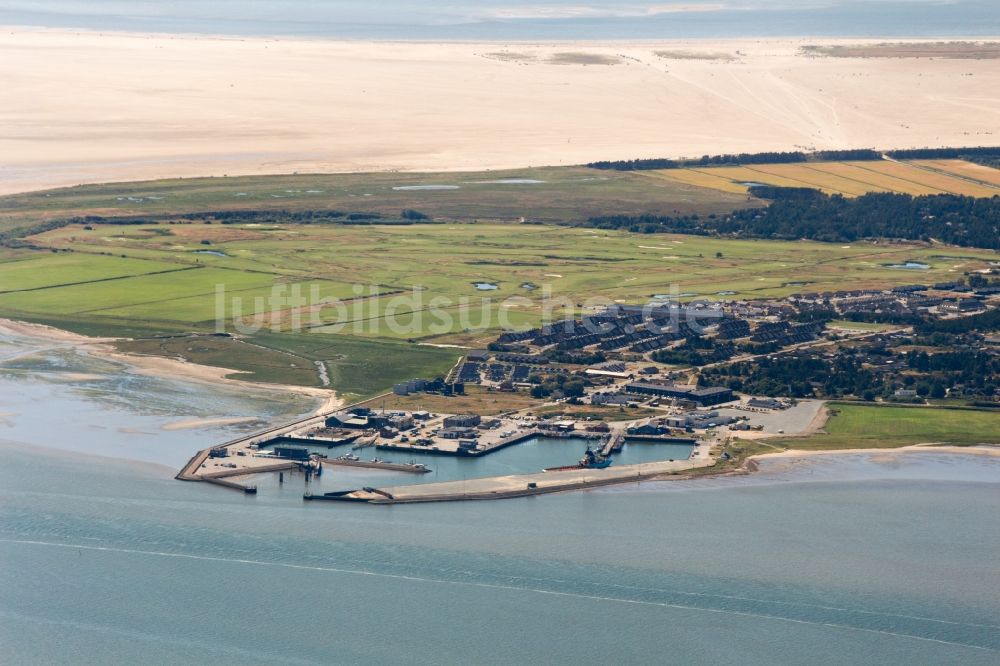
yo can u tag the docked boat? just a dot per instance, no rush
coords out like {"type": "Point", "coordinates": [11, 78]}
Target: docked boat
{"type": "Point", "coordinates": [591, 460]}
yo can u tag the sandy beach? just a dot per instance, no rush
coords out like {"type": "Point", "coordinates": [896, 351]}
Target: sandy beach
{"type": "Point", "coordinates": [930, 447]}
{"type": "Point", "coordinates": [153, 106]}
{"type": "Point", "coordinates": [158, 366]}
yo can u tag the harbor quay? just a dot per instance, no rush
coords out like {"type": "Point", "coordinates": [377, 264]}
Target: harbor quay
{"type": "Point", "coordinates": [297, 447]}
{"type": "Point", "coordinates": [521, 485]}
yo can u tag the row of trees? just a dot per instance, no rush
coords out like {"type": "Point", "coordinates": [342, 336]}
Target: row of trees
{"type": "Point", "coordinates": [948, 218]}
{"type": "Point", "coordinates": [737, 159]}
{"type": "Point", "coordinates": [945, 153]}
{"type": "Point", "coordinates": [852, 154]}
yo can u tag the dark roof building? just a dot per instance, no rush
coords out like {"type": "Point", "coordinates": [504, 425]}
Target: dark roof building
{"type": "Point", "coordinates": [713, 395]}
{"type": "Point", "coordinates": [462, 421]}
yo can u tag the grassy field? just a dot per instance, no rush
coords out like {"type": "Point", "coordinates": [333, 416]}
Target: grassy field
{"type": "Point", "coordinates": [850, 179]}
{"type": "Point", "coordinates": [144, 281]}
{"type": "Point", "coordinates": [870, 426]}
{"type": "Point", "coordinates": [598, 412]}
{"type": "Point", "coordinates": [549, 194]}
{"type": "Point", "coordinates": [402, 269]}
{"type": "Point", "coordinates": [355, 367]}
{"type": "Point", "coordinates": [251, 361]}
{"type": "Point", "coordinates": [26, 272]}
{"type": "Point", "coordinates": [366, 305]}
{"type": "Point", "coordinates": [858, 325]}
{"type": "Point", "coordinates": [476, 400]}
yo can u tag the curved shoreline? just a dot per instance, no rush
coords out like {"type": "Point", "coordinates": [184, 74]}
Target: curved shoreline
{"type": "Point", "coordinates": [984, 449]}
{"type": "Point", "coordinates": [752, 464]}
{"type": "Point", "coordinates": [162, 367]}
{"type": "Point", "coordinates": [710, 102]}
{"type": "Point", "coordinates": [172, 368]}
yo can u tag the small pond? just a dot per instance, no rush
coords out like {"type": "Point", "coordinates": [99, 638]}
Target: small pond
{"type": "Point", "coordinates": [408, 188]}
{"type": "Point", "coordinates": [909, 266]}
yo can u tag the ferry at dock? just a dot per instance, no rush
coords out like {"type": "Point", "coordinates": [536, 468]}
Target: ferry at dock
{"type": "Point", "coordinates": [591, 460]}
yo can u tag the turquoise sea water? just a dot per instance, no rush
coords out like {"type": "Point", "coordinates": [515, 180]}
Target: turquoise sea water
{"type": "Point", "coordinates": [835, 560]}
{"type": "Point", "coordinates": [518, 19]}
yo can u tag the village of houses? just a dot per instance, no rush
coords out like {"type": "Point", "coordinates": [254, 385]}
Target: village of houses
{"type": "Point", "coordinates": [627, 396]}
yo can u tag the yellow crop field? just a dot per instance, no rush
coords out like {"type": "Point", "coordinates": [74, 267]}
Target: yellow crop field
{"type": "Point", "coordinates": [699, 178]}
{"type": "Point", "coordinates": [927, 178]}
{"type": "Point", "coordinates": [965, 169]}
{"type": "Point", "coordinates": [807, 175]}
{"type": "Point", "coordinates": [849, 179]}
{"type": "Point", "coordinates": [746, 174]}
{"type": "Point", "coordinates": [874, 181]}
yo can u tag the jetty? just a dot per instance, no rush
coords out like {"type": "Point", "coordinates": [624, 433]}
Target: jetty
{"type": "Point", "coordinates": [239, 457]}
{"type": "Point", "coordinates": [520, 485]}
{"type": "Point", "coordinates": [231, 464]}
{"type": "Point", "coordinates": [614, 443]}
{"type": "Point", "coordinates": [377, 464]}
{"type": "Point", "coordinates": [661, 439]}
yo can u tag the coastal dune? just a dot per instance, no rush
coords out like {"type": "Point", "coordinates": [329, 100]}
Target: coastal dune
{"type": "Point", "coordinates": [82, 107]}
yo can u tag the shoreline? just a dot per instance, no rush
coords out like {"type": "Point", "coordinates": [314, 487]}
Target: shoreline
{"type": "Point", "coordinates": [160, 470]}
{"type": "Point", "coordinates": [751, 465]}
{"type": "Point", "coordinates": [758, 94]}
{"type": "Point", "coordinates": [990, 450]}
{"type": "Point", "coordinates": [519, 486]}
{"type": "Point", "coordinates": [165, 368]}
{"type": "Point", "coordinates": [603, 41]}
{"type": "Point", "coordinates": [174, 369]}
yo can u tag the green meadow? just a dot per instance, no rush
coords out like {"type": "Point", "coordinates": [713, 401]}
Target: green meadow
{"type": "Point", "coordinates": [546, 194]}
{"type": "Point", "coordinates": [853, 426]}
{"type": "Point", "coordinates": [353, 282]}
{"type": "Point", "coordinates": [374, 304]}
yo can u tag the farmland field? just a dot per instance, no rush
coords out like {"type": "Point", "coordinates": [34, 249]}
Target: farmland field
{"type": "Point", "coordinates": [716, 178]}
{"type": "Point", "coordinates": [36, 271]}
{"type": "Point", "coordinates": [849, 179]}
{"type": "Point", "coordinates": [961, 168]}
{"type": "Point", "coordinates": [925, 178]}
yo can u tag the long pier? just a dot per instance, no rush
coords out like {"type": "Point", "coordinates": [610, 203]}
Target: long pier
{"type": "Point", "coordinates": [521, 485]}
{"type": "Point", "coordinates": [371, 464]}
{"type": "Point", "coordinates": [244, 471]}
{"type": "Point", "coordinates": [328, 442]}
{"type": "Point", "coordinates": [615, 443]}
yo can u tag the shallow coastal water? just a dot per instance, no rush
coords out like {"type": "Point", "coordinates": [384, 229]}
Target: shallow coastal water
{"type": "Point", "coordinates": [57, 396]}
{"type": "Point", "coordinates": [517, 19]}
{"type": "Point", "coordinates": [857, 558]}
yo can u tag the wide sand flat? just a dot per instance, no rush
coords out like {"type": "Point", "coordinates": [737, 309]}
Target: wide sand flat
{"type": "Point", "coordinates": [88, 107]}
